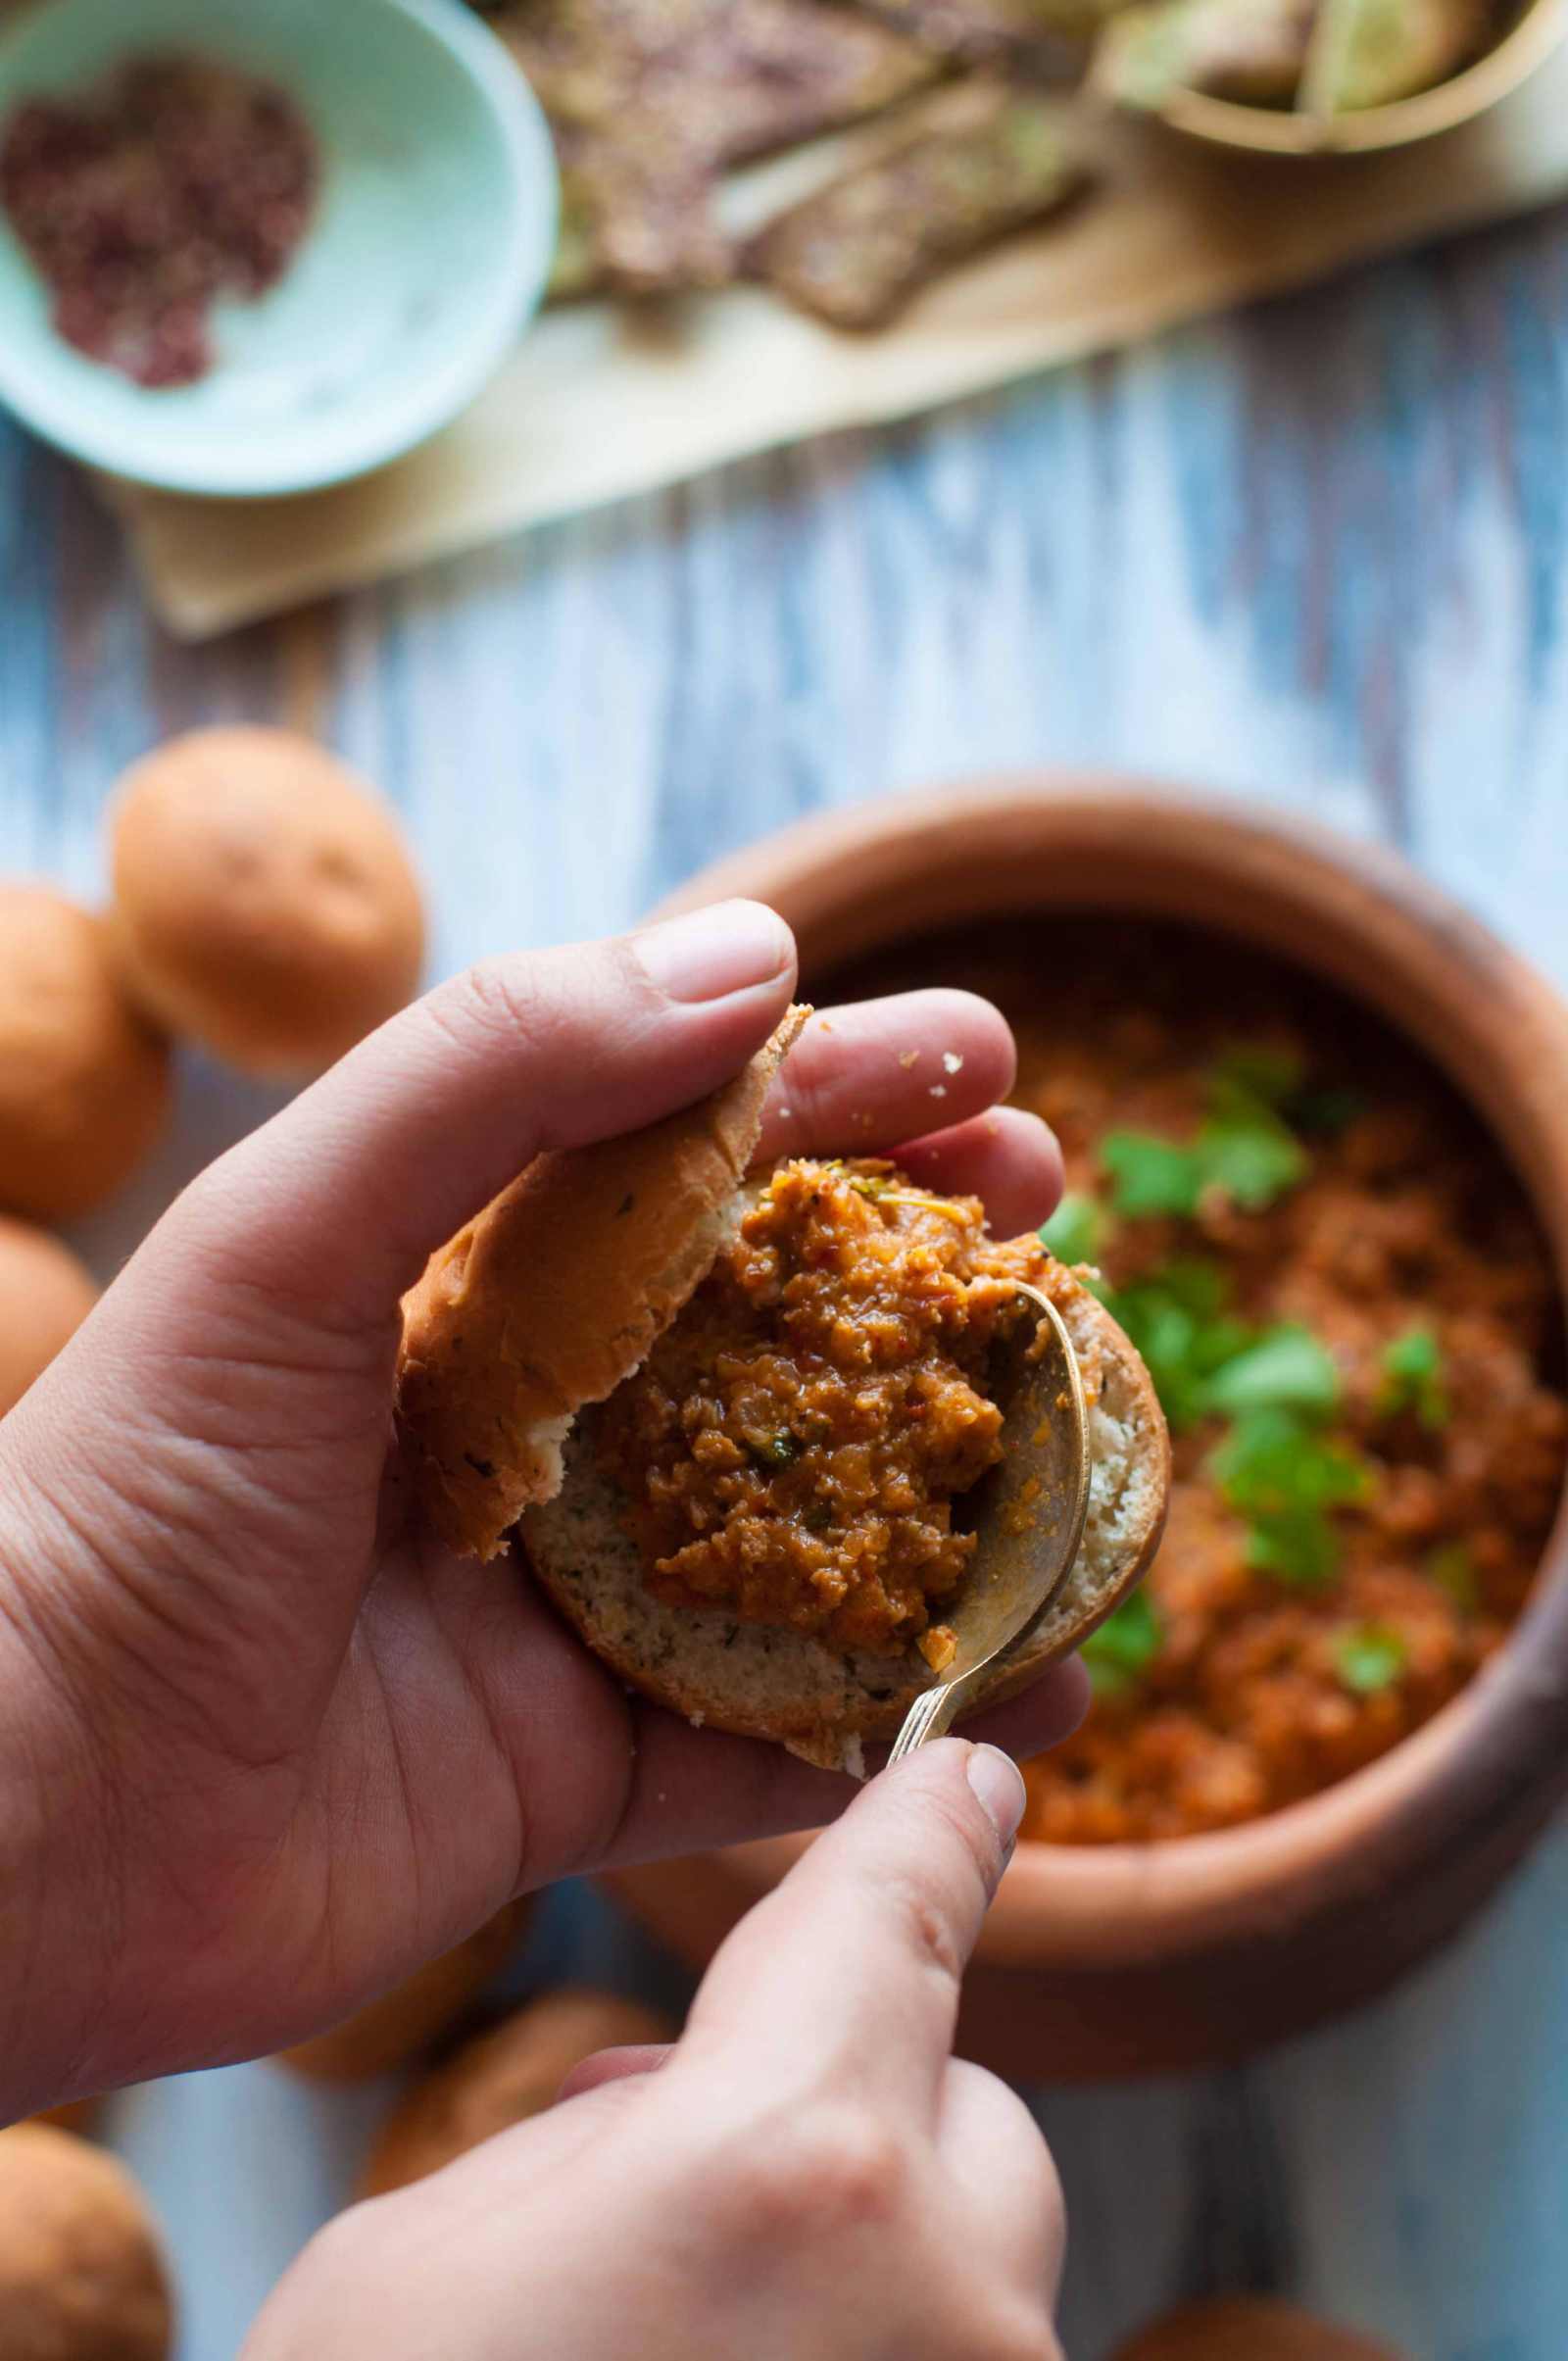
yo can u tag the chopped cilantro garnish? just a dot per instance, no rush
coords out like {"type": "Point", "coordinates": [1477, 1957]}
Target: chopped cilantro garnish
{"type": "Point", "coordinates": [1246, 1153]}
{"type": "Point", "coordinates": [1241, 1151]}
{"type": "Point", "coordinates": [1177, 1320]}
{"type": "Point", "coordinates": [1287, 1368]}
{"type": "Point", "coordinates": [1370, 1657]}
{"type": "Point", "coordinates": [1121, 1651]}
{"type": "Point", "coordinates": [1284, 1478]}
{"type": "Point", "coordinates": [1074, 1231]}
{"type": "Point", "coordinates": [1278, 1076]}
{"type": "Point", "coordinates": [1413, 1378]}
{"type": "Point", "coordinates": [1151, 1176]}
{"type": "Point", "coordinates": [1205, 1361]}
{"type": "Point", "coordinates": [1453, 1570]}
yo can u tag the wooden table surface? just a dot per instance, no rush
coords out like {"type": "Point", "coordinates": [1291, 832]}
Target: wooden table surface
{"type": "Point", "coordinates": [1318, 554]}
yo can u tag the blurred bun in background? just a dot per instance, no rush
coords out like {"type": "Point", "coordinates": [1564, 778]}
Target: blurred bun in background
{"type": "Point", "coordinates": [390, 2031]}
{"type": "Point", "coordinates": [265, 900]}
{"type": "Point", "coordinates": [84, 1085]}
{"type": "Point", "coordinates": [1248, 2328]}
{"type": "Point", "coordinates": [82, 2276]}
{"type": "Point", "coordinates": [46, 1291]}
{"type": "Point", "coordinates": [503, 2077]}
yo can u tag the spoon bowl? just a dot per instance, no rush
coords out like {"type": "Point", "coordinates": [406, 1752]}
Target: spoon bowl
{"type": "Point", "coordinates": [1029, 1516]}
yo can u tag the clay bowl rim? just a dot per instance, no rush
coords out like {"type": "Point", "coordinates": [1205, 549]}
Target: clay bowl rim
{"type": "Point", "coordinates": [1119, 1905]}
{"type": "Point", "coordinates": [1231, 125]}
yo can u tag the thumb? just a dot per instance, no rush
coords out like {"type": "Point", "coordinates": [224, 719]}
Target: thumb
{"type": "Point", "coordinates": [338, 1202]}
{"type": "Point", "coordinates": [234, 1383]}
{"type": "Point", "coordinates": [847, 1976]}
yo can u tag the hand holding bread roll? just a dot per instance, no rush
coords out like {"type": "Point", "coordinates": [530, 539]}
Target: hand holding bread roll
{"type": "Point", "coordinates": [556, 1295]}
{"type": "Point", "coordinates": [483, 1748]}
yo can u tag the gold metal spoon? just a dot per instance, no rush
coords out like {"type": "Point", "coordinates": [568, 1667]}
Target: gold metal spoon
{"type": "Point", "coordinates": [1029, 1519]}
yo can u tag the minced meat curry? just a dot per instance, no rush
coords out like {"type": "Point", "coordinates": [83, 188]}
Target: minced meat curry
{"type": "Point", "coordinates": [1350, 1319]}
{"type": "Point", "coordinates": [794, 1443]}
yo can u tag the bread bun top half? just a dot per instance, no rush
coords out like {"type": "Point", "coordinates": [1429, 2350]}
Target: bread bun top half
{"type": "Point", "coordinates": [559, 1290]}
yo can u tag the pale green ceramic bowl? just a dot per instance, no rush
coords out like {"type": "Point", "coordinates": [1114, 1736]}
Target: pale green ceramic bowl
{"type": "Point", "coordinates": [429, 251]}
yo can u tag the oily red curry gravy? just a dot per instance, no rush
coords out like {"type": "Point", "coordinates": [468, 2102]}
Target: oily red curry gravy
{"type": "Point", "coordinates": [794, 1446]}
{"type": "Point", "coordinates": [1352, 1320]}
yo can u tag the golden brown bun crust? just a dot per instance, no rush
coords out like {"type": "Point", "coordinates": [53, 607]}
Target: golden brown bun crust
{"type": "Point", "coordinates": [500, 2078]}
{"type": "Point", "coordinates": [46, 1291]}
{"type": "Point", "coordinates": [407, 2021]}
{"type": "Point", "coordinates": [557, 1291]}
{"type": "Point", "coordinates": [81, 2273]}
{"type": "Point", "coordinates": [265, 900]}
{"type": "Point", "coordinates": [83, 1080]}
{"type": "Point", "coordinates": [77, 2115]}
{"type": "Point", "coordinates": [756, 1683]}
{"type": "Point", "coordinates": [1248, 2328]}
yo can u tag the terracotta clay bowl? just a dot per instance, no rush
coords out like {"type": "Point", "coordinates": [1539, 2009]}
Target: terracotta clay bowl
{"type": "Point", "coordinates": [1130, 1959]}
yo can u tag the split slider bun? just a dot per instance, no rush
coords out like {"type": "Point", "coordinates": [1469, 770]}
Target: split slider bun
{"type": "Point", "coordinates": [556, 1293]}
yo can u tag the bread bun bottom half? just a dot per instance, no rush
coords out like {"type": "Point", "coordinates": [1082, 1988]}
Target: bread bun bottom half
{"type": "Point", "coordinates": [530, 1320]}
{"type": "Point", "coordinates": [764, 1681]}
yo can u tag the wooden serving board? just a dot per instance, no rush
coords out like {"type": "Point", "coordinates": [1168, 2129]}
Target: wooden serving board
{"type": "Point", "coordinates": [600, 403]}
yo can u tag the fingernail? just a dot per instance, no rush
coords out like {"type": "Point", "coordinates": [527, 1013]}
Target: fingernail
{"type": "Point", "coordinates": [998, 1782]}
{"type": "Point", "coordinates": [711, 953]}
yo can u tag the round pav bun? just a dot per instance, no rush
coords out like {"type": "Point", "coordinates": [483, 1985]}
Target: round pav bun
{"type": "Point", "coordinates": [84, 1081]}
{"type": "Point", "coordinates": [556, 1293]}
{"type": "Point", "coordinates": [503, 2077]}
{"type": "Point", "coordinates": [1248, 2328]}
{"type": "Point", "coordinates": [264, 903]}
{"type": "Point", "coordinates": [46, 1291]}
{"type": "Point", "coordinates": [82, 2276]}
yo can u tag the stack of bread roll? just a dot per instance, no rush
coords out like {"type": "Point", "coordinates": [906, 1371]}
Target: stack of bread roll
{"type": "Point", "coordinates": [263, 906]}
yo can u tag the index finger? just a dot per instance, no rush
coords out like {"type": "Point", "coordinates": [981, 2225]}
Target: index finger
{"type": "Point", "coordinates": [865, 1076]}
{"type": "Point", "coordinates": [847, 1976]}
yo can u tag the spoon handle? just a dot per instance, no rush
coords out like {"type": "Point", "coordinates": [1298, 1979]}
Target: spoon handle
{"type": "Point", "coordinates": [930, 1716]}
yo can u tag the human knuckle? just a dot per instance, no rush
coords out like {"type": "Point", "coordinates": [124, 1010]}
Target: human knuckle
{"type": "Point", "coordinates": [825, 2167]}
{"type": "Point", "coordinates": [923, 1912]}
{"type": "Point", "coordinates": [495, 996]}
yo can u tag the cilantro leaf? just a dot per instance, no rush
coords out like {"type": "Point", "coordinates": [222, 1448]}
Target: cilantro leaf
{"type": "Point", "coordinates": [1205, 1361]}
{"type": "Point", "coordinates": [1246, 1152]}
{"type": "Point", "coordinates": [1074, 1231]}
{"type": "Point", "coordinates": [1121, 1651]}
{"type": "Point", "coordinates": [1287, 1368]}
{"type": "Point", "coordinates": [1370, 1657]}
{"type": "Point", "coordinates": [1178, 1321]}
{"type": "Point", "coordinates": [1413, 1378]}
{"type": "Point", "coordinates": [1242, 1150]}
{"type": "Point", "coordinates": [1283, 1476]}
{"type": "Point", "coordinates": [1151, 1176]}
{"type": "Point", "coordinates": [1278, 1077]}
